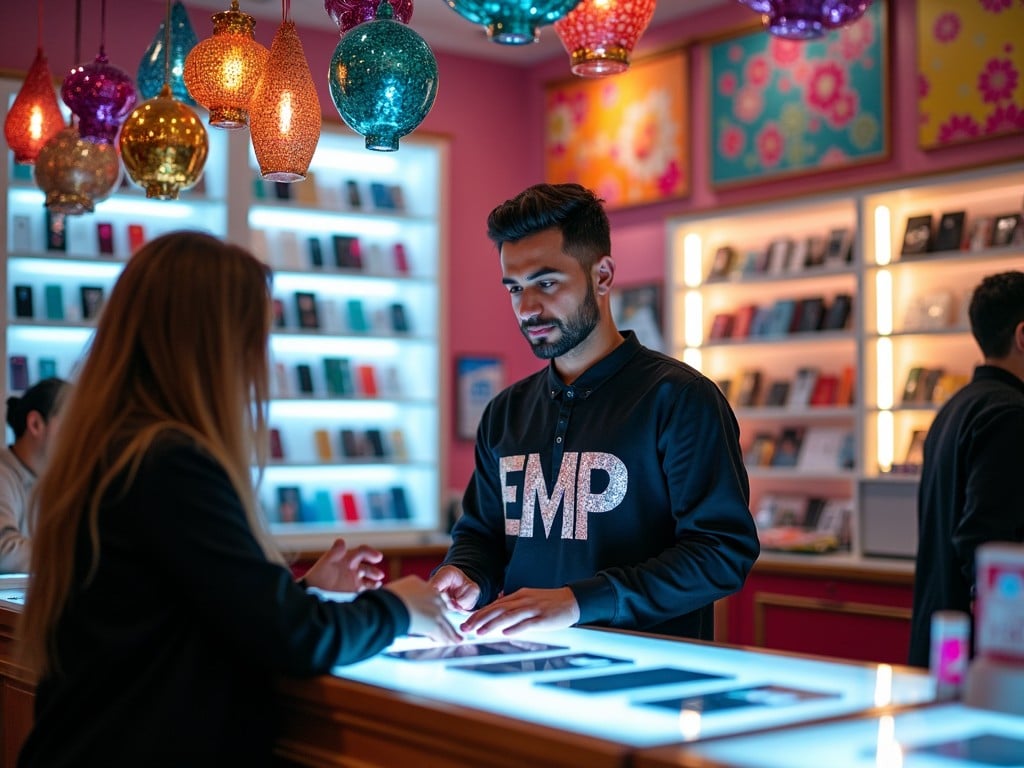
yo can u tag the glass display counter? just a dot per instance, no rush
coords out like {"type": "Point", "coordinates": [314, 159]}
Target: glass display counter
{"type": "Point", "coordinates": [635, 689]}
{"type": "Point", "coordinates": [940, 736]}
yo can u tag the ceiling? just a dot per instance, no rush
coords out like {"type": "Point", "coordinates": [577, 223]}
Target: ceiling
{"type": "Point", "coordinates": [440, 26]}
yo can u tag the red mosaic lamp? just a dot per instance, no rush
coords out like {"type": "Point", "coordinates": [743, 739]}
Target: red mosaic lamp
{"type": "Point", "coordinates": [599, 35]}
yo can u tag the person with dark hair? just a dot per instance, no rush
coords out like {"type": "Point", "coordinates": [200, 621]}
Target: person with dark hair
{"type": "Point", "coordinates": [970, 491]}
{"type": "Point", "coordinates": [33, 418]}
{"type": "Point", "coordinates": [609, 487]}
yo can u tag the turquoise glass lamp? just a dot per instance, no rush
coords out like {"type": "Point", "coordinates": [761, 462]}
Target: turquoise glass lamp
{"type": "Point", "coordinates": [150, 80]}
{"type": "Point", "coordinates": [383, 79]}
{"type": "Point", "coordinates": [512, 22]}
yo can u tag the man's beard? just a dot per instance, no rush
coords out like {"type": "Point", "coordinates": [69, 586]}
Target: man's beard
{"type": "Point", "coordinates": [573, 331]}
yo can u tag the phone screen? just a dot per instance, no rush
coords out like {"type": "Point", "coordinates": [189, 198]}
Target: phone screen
{"type": "Point", "coordinates": [469, 650]}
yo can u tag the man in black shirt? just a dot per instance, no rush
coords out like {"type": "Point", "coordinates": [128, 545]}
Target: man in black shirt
{"type": "Point", "coordinates": [609, 486]}
{"type": "Point", "coordinates": [971, 490]}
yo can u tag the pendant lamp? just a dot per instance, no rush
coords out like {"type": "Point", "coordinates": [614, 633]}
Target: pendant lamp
{"type": "Point", "coordinates": [76, 173]}
{"type": "Point", "coordinates": [347, 13]}
{"type": "Point", "coordinates": [599, 35]}
{"type": "Point", "coordinates": [164, 146]}
{"type": "Point", "coordinates": [806, 19]}
{"type": "Point", "coordinates": [512, 22]}
{"type": "Point", "coordinates": [163, 143]}
{"type": "Point", "coordinates": [286, 127]}
{"type": "Point", "coordinates": [383, 79]}
{"type": "Point", "coordinates": [35, 116]}
{"type": "Point", "coordinates": [100, 94]}
{"type": "Point", "coordinates": [222, 71]}
{"type": "Point", "coordinates": [150, 79]}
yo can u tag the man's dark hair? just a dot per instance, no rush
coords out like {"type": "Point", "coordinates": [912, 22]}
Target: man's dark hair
{"type": "Point", "coordinates": [41, 396]}
{"type": "Point", "coordinates": [573, 209]}
{"type": "Point", "coordinates": [997, 308]}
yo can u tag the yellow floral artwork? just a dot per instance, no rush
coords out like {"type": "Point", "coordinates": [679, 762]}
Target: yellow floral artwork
{"type": "Point", "coordinates": [970, 60]}
{"type": "Point", "coordinates": [623, 136]}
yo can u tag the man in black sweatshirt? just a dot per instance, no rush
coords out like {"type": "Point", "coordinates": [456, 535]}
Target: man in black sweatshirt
{"type": "Point", "coordinates": [970, 491]}
{"type": "Point", "coordinates": [609, 487]}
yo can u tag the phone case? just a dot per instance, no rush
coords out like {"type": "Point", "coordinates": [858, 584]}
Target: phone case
{"type": "Point", "coordinates": [47, 368]}
{"type": "Point", "coordinates": [54, 302]}
{"type": "Point", "coordinates": [19, 372]}
{"type": "Point", "coordinates": [23, 304]}
{"type": "Point", "coordinates": [276, 447]}
{"type": "Point", "coordinates": [105, 238]}
{"type": "Point", "coordinates": [305, 379]}
{"type": "Point", "coordinates": [136, 237]}
{"type": "Point", "coordinates": [323, 445]}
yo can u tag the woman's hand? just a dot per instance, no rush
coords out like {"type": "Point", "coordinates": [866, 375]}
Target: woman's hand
{"type": "Point", "coordinates": [341, 569]}
{"type": "Point", "coordinates": [427, 610]}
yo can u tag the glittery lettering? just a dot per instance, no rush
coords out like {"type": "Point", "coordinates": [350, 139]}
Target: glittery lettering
{"type": "Point", "coordinates": [535, 490]}
{"type": "Point", "coordinates": [594, 503]}
{"type": "Point", "coordinates": [508, 492]}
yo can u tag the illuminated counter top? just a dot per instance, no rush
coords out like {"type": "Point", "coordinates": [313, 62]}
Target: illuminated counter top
{"type": "Point", "coordinates": [576, 697]}
{"type": "Point", "coordinates": [642, 690]}
{"type": "Point", "coordinates": [939, 736]}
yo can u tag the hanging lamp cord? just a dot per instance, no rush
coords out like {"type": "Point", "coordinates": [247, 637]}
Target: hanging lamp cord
{"type": "Point", "coordinates": [103, 27]}
{"type": "Point", "coordinates": [167, 45]}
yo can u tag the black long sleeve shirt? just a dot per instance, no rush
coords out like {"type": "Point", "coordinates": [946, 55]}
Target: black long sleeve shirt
{"type": "Point", "coordinates": [971, 492]}
{"type": "Point", "coordinates": [167, 656]}
{"type": "Point", "coordinates": [628, 486]}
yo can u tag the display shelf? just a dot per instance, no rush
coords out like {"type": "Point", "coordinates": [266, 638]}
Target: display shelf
{"type": "Point", "coordinates": [907, 340]}
{"type": "Point", "coordinates": [358, 349]}
{"type": "Point", "coordinates": [357, 410]}
{"type": "Point", "coordinates": [765, 302]}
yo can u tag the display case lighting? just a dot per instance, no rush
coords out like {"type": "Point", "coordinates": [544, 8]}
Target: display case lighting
{"type": "Point", "coordinates": [883, 235]}
{"type": "Point", "coordinates": [281, 217]}
{"type": "Point", "coordinates": [693, 311]}
{"type": "Point", "coordinates": [885, 440]}
{"type": "Point", "coordinates": [884, 381]}
{"type": "Point", "coordinates": [692, 267]}
{"type": "Point", "coordinates": [314, 409]}
{"type": "Point", "coordinates": [883, 302]}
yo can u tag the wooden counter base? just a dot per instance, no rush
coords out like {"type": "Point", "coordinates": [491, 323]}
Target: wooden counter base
{"type": "Point", "coordinates": [333, 722]}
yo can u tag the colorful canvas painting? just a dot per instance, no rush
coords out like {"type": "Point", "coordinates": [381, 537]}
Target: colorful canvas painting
{"type": "Point", "coordinates": [970, 67]}
{"type": "Point", "coordinates": [623, 136]}
{"type": "Point", "coordinates": [781, 107]}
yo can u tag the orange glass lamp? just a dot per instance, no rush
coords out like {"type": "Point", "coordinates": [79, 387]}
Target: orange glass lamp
{"type": "Point", "coordinates": [599, 35]}
{"type": "Point", "coordinates": [222, 71]}
{"type": "Point", "coordinates": [35, 116]}
{"type": "Point", "coordinates": [286, 127]}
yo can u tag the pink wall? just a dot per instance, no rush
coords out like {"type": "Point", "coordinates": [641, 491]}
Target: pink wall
{"type": "Point", "coordinates": [493, 114]}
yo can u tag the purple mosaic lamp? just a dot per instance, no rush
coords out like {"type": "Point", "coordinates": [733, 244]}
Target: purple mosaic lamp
{"type": "Point", "coordinates": [806, 19]}
{"type": "Point", "coordinates": [349, 13]}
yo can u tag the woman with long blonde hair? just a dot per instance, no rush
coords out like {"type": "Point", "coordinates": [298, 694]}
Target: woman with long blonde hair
{"type": "Point", "coordinates": [158, 610]}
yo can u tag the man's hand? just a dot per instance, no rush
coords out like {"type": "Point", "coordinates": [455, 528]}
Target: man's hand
{"type": "Point", "coordinates": [525, 609]}
{"type": "Point", "coordinates": [458, 590]}
{"type": "Point", "coordinates": [341, 569]}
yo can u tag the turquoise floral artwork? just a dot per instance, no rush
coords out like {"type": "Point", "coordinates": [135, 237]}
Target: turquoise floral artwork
{"type": "Point", "coordinates": [784, 107]}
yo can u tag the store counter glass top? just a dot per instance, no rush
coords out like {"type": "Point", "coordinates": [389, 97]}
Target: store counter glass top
{"type": "Point", "coordinates": [940, 736]}
{"type": "Point", "coordinates": [635, 689]}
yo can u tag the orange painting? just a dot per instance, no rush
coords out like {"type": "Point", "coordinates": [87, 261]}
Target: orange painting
{"type": "Point", "coordinates": [623, 136]}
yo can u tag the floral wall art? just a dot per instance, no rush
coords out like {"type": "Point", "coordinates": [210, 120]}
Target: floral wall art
{"type": "Point", "coordinates": [623, 136]}
{"type": "Point", "coordinates": [970, 61]}
{"type": "Point", "coordinates": [780, 107]}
